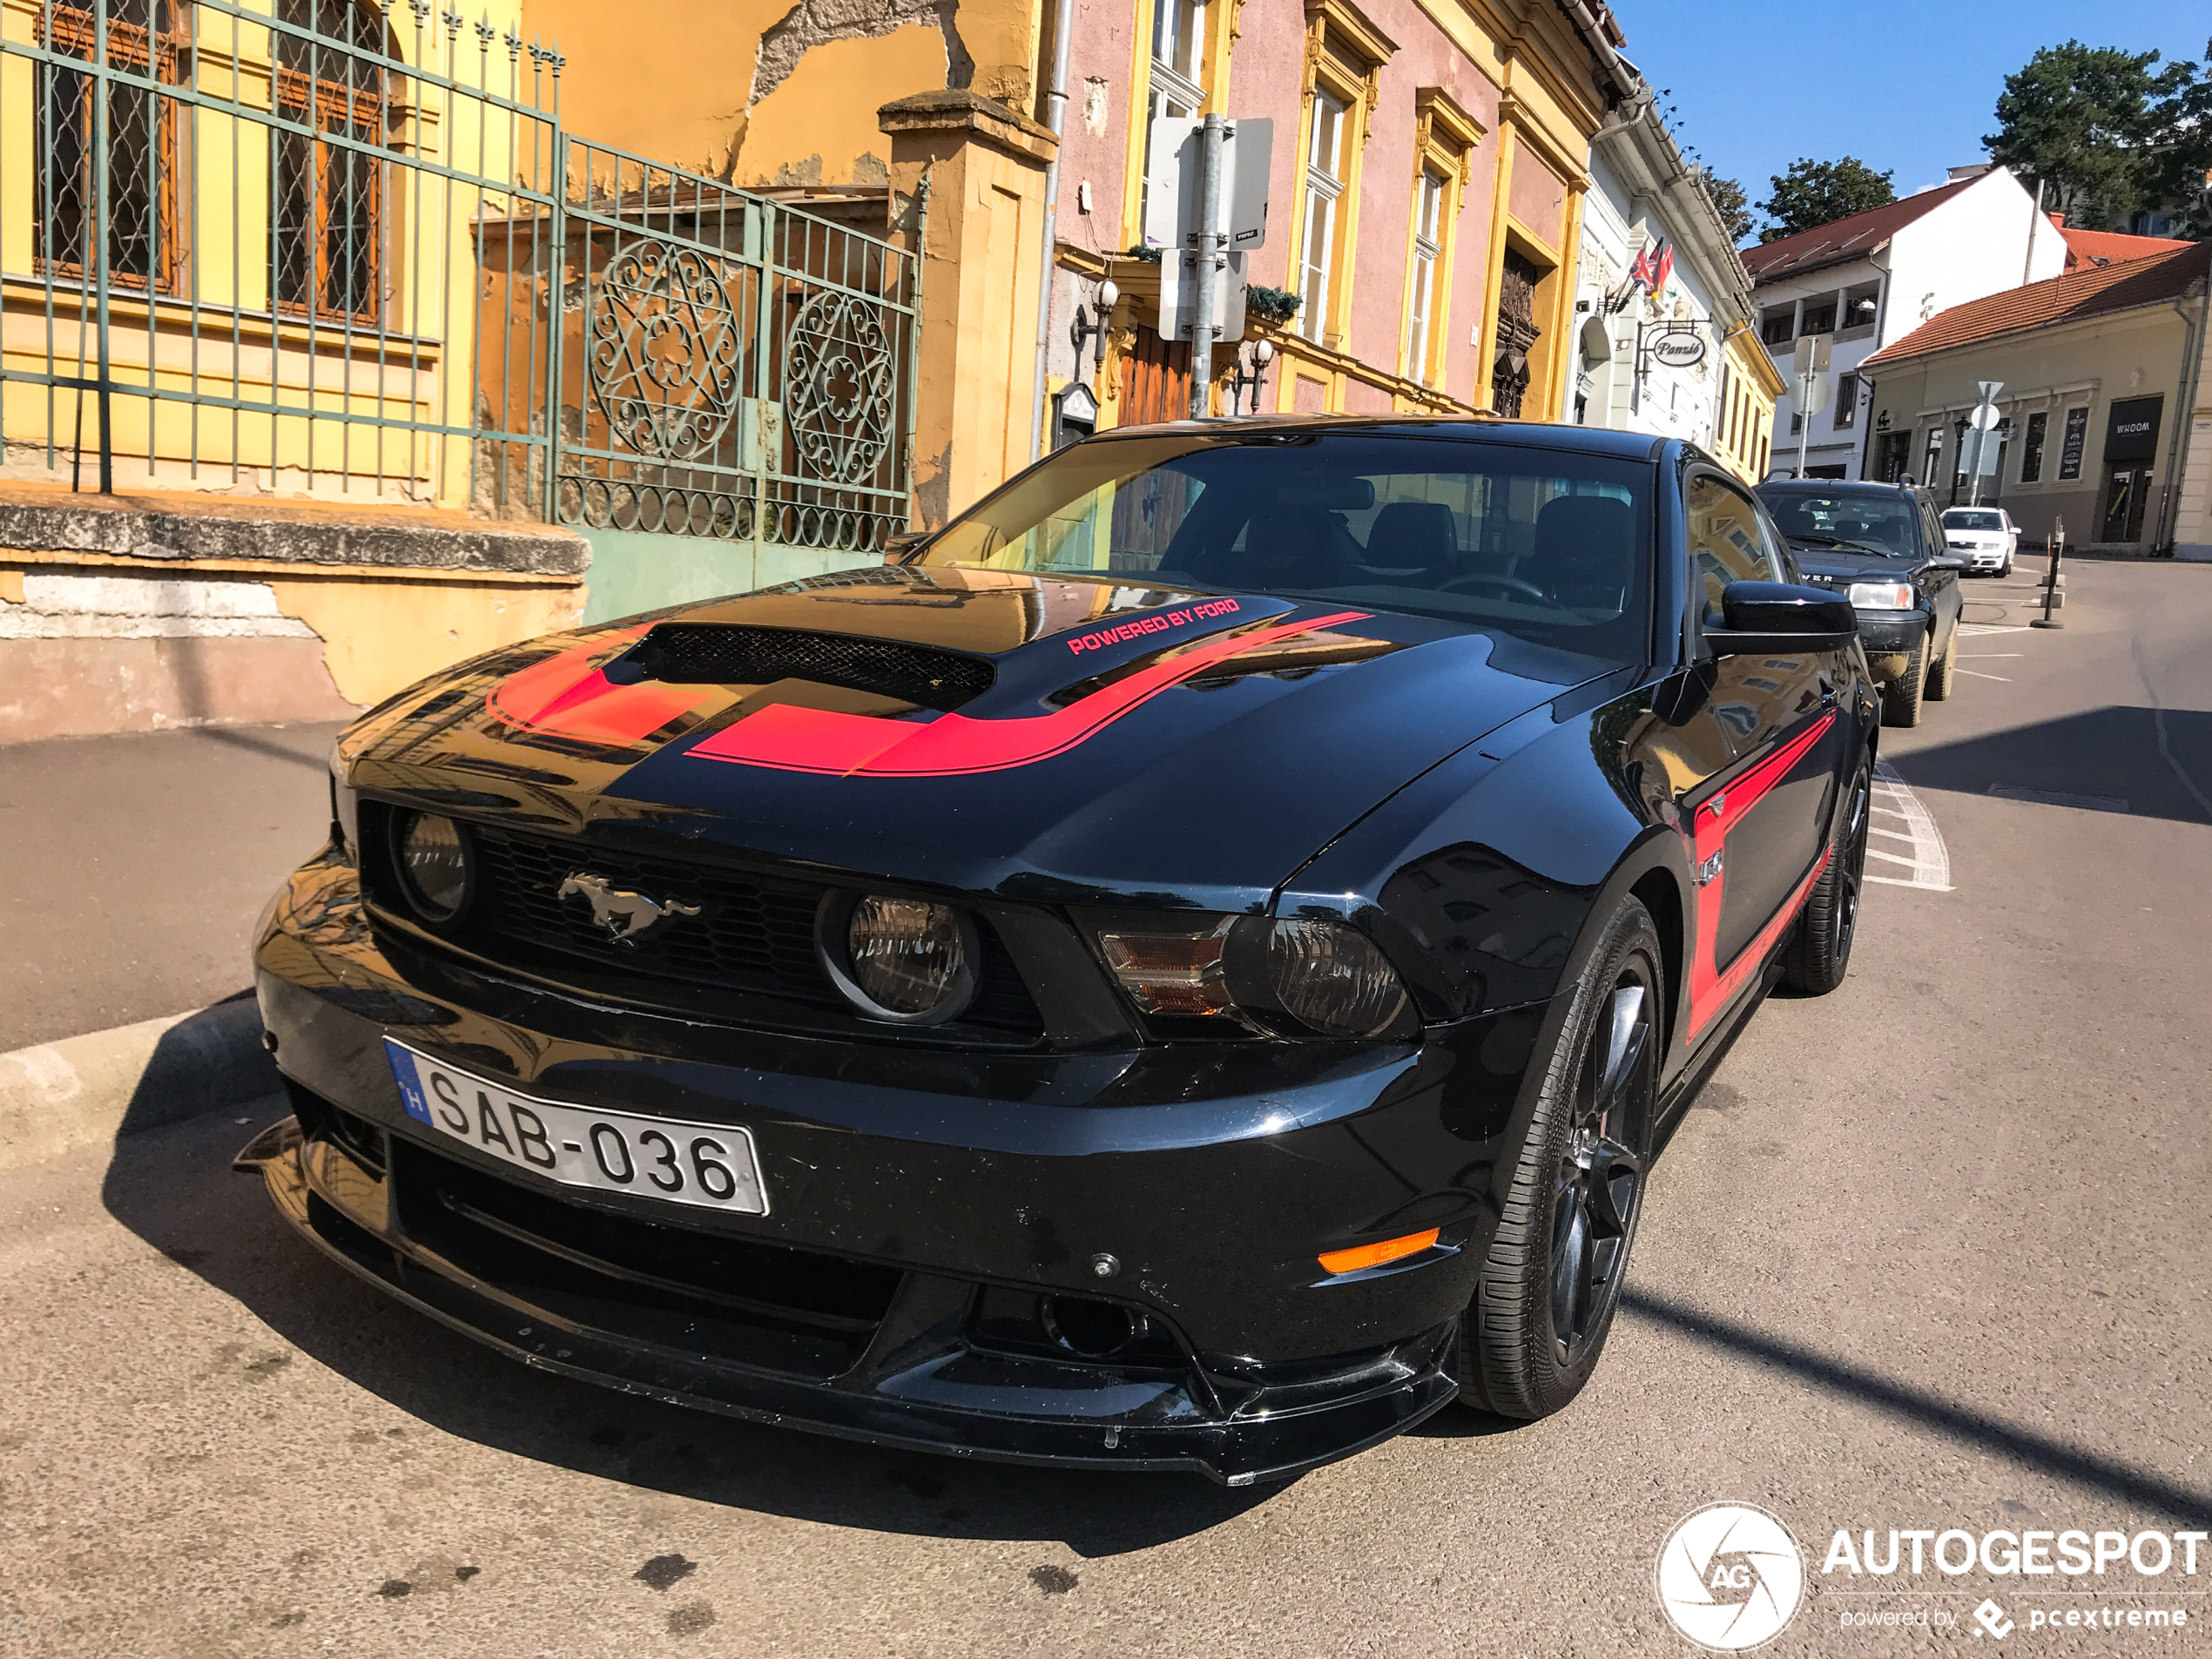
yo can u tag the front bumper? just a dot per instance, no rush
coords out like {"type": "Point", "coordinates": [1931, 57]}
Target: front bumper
{"type": "Point", "coordinates": [925, 1204]}
{"type": "Point", "coordinates": [1887, 637]}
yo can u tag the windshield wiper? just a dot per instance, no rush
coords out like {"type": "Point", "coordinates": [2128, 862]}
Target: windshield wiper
{"type": "Point", "coordinates": [1813, 538]}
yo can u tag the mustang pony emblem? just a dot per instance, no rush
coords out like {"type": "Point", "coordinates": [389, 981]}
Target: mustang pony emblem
{"type": "Point", "coordinates": [624, 915]}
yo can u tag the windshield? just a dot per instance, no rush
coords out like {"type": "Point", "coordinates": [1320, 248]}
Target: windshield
{"type": "Point", "coordinates": [1960, 518]}
{"type": "Point", "coordinates": [1879, 524]}
{"type": "Point", "coordinates": [1549, 546]}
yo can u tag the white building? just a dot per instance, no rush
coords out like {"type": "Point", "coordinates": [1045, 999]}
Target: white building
{"type": "Point", "coordinates": [1642, 191]}
{"type": "Point", "coordinates": [1874, 278]}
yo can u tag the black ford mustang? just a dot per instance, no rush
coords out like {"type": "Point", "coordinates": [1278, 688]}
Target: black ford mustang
{"type": "Point", "coordinates": [1187, 968]}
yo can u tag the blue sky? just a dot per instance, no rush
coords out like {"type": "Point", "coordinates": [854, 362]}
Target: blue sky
{"type": "Point", "coordinates": [1905, 87]}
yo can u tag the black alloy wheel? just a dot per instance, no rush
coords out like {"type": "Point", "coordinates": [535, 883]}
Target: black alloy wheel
{"type": "Point", "coordinates": [1552, 1281]}
{"type": "Point", "coordinates": [1820, 954]}
{"type": "Point", "coordinates": [1599, 1188]}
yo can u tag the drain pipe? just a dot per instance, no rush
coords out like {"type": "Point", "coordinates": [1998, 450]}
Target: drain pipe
{"type": "Point", "coordinates": [2186, 393]}
{"type": "Point", "coordinates": [1055, 117]}
{"type": "Point", "coordinates": [1625, 79]}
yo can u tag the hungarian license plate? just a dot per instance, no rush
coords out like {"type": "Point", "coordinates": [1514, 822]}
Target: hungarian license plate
{"type": "Point", "coordinates": [709, 1164]}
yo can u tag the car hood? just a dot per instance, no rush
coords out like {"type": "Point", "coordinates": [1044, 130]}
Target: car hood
{"type": "Point", "coordinates": [1827, 564]}
{"type": "Point", "coordinates": [1063, 739]}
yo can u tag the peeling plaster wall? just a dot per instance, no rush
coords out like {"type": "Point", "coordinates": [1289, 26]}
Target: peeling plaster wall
{"type": "Point", "coordinates": [91, 650]}
{"type": "Point", "coordinates": [766, 92]}
{"type": "Point", "coordinates": [789, 140]}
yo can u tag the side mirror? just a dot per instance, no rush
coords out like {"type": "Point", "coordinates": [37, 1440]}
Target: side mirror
{"type": "Point", "coordinates": [1759, 617]}
{"type": "Point", "coordinates": [901, 545]}
{"type": "Point", "coordinates": [1946, 562]}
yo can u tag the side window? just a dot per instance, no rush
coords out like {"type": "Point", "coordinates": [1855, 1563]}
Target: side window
{"type": "Point", "coordinates": [1777, 546]}
{"type": "Point", "coordinates": [1727, 540]}
{"type": "Point", "coordinates": [1930, 528]}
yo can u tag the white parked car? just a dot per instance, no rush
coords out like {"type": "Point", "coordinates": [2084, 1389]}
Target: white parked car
{"type": "Point", "coordinates": [1986, 535]}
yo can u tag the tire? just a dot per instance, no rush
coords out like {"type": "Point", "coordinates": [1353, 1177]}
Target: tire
{"type": "Point", "coordinates": [1562, 1244]}
{"type": "Point", "coordinates": [1943, 673]}
{"type": "Point", "coordinates": [1820, 954]}
{"type": "Point", "coordinates": [1901, 702]}
{"type": "Point", "coordinates": [2005, 570]}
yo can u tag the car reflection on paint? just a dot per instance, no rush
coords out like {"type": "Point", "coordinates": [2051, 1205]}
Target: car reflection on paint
{"type": "Point", "coordinates": [1108, 987]}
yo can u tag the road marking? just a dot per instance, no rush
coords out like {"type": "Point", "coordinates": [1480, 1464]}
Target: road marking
{"type": "Point", "coordinates": [1992, 656]}
{"type": "Point", "coordinates": [1977, 628]}
{"type": "Point", "coordinates": [1931, 861]}
{"type": "Point", "coordinates": [1999, 678]}
{"type": "Point", "coordinates": [2054, 798]}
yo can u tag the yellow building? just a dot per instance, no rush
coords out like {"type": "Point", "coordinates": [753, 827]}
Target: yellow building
{"type": "Point", "coordinates": [1750, 386]}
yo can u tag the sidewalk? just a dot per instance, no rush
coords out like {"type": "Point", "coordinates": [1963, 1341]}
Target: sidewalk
{"type": "Point", "coordinates": [133, 868]}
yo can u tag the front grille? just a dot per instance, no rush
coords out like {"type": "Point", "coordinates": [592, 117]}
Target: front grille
{"type": "Point", "coordinates": [750, 935]}
{"type": "Point", "coordinates": [753, 933]}
{"type": "Point", "coordinates": [699, 1292]}
{"type": "Point", "coordinates": [729, 654]}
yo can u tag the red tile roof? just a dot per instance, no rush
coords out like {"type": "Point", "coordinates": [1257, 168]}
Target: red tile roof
{"type": "Point", "coordinates": [1847, 239]}
{"type": "Point", "coordinates": [2092, 292]}
{"type": "Point", "coordinates": [2109, 248]}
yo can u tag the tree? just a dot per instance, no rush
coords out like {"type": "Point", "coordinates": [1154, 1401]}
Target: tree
{"type": "Point", "coordinates": [1728, 197]}
{"type": "Point", "coordinates": [2094, 123]}
{"type": "Point", "coordinates": [2182, 175]}
{"type": "Point", "coordinates": [1820, 192]}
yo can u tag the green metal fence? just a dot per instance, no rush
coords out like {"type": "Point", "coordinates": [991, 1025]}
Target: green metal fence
{"type": "Point", "coordinates": [335, 251]}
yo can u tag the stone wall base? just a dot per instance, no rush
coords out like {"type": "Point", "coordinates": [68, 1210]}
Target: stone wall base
{"type": "Point", "coordinates": [80, 687]}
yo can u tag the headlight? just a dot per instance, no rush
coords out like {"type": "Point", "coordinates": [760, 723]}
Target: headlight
{"type": "Point", "coordinates": [434, 866]}
{"type": "Point", "coordinates": [1882, 596]}
{"type": "Point", "coordinates": [911, 962]}
{"type": "Point", "coordinates": [1328, 975]}
{"type": "Point", "coordinates": [1285, 978]}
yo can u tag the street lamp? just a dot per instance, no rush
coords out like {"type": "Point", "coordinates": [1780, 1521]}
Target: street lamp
{"type": "Point", "coordinates": [1085, 329]}
{"type": "Point", "coordinates": [1248, 377]}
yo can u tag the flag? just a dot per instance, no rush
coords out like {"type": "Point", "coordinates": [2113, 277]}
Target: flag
{"type": "Point", "coordinates": [1663, 267]}
{"type": "Point", "coordinates": [1639, 273]}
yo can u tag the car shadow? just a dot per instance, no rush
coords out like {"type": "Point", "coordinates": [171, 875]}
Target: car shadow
{"type": "Point", "coordinates": [2138, 755]}
{"type": "Point", "coordinates": [173, 1187]}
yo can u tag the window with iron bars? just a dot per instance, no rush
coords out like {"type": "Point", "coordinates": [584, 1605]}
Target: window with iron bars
{"type": "Point", "coordinates": [325, 254]}
{"type": "Point", "coordinates": [142, 38]}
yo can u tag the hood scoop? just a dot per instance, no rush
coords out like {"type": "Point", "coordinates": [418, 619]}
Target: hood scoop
{"type": "Point", "coordinates": [713, 653]}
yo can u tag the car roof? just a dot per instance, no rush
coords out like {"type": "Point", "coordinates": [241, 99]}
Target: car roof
{"type": "Point", "coordinates": [1839, 487]}
{"type": "Point", "coordinates": [1597, 441]}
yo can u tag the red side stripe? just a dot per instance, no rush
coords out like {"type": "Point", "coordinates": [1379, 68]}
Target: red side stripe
{"type": "Point", "coordinates": [791, 738]}
{"type": "Point", "coordinates": [1711, 990]}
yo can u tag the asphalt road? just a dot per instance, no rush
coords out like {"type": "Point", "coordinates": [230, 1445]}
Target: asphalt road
{"type": "Point", "coordinates": [1929, 1253]}
{"type": "Point", "coordinates": [131, 868]}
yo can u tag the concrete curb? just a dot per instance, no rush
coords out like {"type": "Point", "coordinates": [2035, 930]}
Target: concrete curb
{"type": "Point", "coordinates": [58, 1096]}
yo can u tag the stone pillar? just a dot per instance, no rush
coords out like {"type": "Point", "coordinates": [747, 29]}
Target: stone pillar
{"type": "Point", "coordinates": [980, 274]}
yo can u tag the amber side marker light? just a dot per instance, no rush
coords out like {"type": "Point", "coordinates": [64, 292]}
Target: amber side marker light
{"type": "Point", "coordinates": [1391, 1250]}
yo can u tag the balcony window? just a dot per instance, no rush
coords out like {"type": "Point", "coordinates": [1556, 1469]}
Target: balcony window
{"type": "Point", "coordinates": [1428, 211]}
{"type": "Point", "coordinates": [1325, 185]}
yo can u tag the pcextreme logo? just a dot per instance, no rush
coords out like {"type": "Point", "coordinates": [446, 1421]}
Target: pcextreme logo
{"type": "Point", "coordinates": [1730, 1577]}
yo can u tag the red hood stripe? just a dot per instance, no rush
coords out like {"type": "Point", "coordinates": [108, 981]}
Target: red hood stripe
{"type": "Point", "coordinates": [566, 695]}
{"type": "Point", "coordinates": [791, 738]}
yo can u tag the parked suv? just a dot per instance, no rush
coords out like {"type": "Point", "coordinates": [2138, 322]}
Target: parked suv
{"type": "Point", "coordinates": [1882, 543]}
{"type": "Point", "coordinates": [1985, 537]}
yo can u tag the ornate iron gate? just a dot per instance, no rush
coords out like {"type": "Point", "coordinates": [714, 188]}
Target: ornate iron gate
{"type": "Point", "coordinates": [736, 369]}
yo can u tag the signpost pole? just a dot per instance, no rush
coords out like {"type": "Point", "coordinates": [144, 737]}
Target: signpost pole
{"type": "Point", "coordinates": [1206, 268]}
